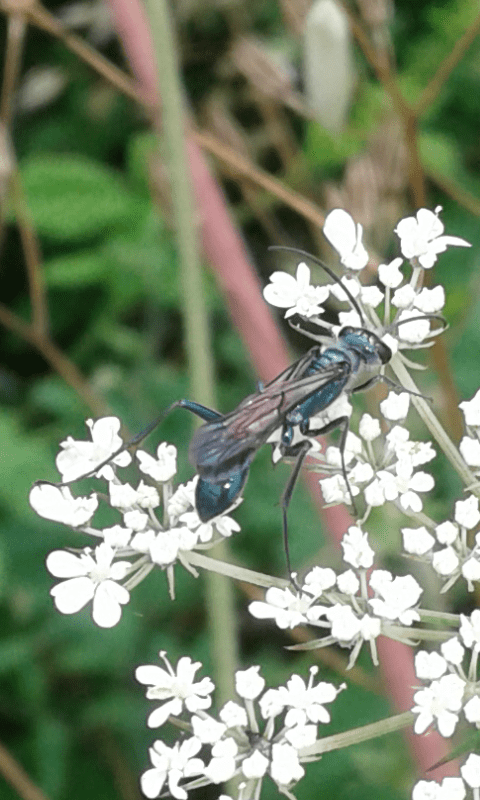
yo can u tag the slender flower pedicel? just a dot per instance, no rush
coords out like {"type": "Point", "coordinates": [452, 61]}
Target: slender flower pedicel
{"type": "Point", "coordinates": [376, 465]}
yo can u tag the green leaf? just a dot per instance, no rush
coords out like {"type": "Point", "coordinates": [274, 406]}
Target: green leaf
{"type": "Point", "coordinates": [71, 197]}
{"type": "Point", "coordinates": [76, 269]}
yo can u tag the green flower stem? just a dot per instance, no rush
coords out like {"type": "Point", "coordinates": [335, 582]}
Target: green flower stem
{"type": "Point", "coordinates": [340, 740]}
{"type": "Point", "coordinates": [439, 434]}
{"type": "Point", "coordinates": [403, 633]}
{"type": "Point", "coordinates": [221, 567]}
{"type": "Point", "coordinates": [220, 600]}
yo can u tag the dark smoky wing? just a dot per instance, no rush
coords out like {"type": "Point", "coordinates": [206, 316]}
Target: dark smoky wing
{"type": "Point", "coordinates": [295, 370]}
{"type": "Point", "coordinates": [219, 447]}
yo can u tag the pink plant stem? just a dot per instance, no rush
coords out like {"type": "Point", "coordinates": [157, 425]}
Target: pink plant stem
{"type": "Point", "coordinates": [236, 275]}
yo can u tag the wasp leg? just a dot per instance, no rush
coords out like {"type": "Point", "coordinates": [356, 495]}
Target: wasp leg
{"type": "Point", "coordinates": [205, 413]}
{"type": "Point", "coordinates": [393, 385]}
{"type": "Point", "coordinates": [342, 423]}
{"type": "Point", "coordinates": [300, 451]}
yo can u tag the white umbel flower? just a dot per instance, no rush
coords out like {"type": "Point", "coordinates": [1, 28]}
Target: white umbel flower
{"type": "Point", "coordinates": [178, 688]}
{"type": "Point", "coordinates": [59, 505]}
{"type": "Point", "coordinates": [421, 237]}
{"type": "Point", "coordinates": [346, 237]}
{"type": "Point", "coordinates": [90, 575]}
{"type": "Point", "coordinates": [79, 458]}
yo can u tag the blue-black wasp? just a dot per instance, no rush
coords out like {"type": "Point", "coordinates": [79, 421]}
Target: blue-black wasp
{"type": "Point", "coordinates": [223, 448]}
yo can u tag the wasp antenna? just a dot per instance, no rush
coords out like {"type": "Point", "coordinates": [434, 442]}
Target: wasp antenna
{"type": "Point", "coordinates": [317, 337]}
{"type": "Point", "coordinates": [439, 317]}
{"type": "Point", "coordinates": [326, 269]}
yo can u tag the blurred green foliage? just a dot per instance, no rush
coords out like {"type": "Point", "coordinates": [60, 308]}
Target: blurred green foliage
{"type": "Point", "coordinates": [70, 710]}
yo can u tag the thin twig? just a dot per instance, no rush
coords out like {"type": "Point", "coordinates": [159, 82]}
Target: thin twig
{"type": "Point", "coordinates": [16, 776]}
{"type": "Point", "coordinates": [39, 16]}
{"type": "Point", "coordinates": [460, 195]}
{"type": "Point", "coordinates": [129, 87]}
{"type": "Point", "coordinates": [57, 360]}
{"type": "Point", "coordinates": [16, 28]}
{"type": "Point", "coordinates": [32, 255]}
{"type": "Point", "coordinates": [258, 176]}
{"type": "Point", "coordinates": [444, 70]}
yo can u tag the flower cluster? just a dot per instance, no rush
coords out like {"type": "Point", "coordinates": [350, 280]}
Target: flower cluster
{"type": "Point", "coordinates": [446, 546]}
{"type": "Point", "coordinates": [387, 472]}
{"type": "Point", "coordinates": [270, 734]}
{"type": "Point", "coordinates": [355, 606]}
{"type": "Point", "coordinates": [470, 444]}
{"type": "Point", "coordinates": [381, 466]}
{"type": "Point", "coordinates": [127, 551]}
{"type": "Point", "coordinates": [452, 689]}
{"type": "Point", "coordinates": [261, 736]}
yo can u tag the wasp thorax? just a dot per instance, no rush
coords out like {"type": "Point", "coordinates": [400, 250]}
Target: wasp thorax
{"type": "Point", "coordinates": [367, 344]}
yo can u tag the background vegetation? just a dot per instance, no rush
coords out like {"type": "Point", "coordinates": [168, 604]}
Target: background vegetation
{"type": "Point", "coordinates": [91, 319]}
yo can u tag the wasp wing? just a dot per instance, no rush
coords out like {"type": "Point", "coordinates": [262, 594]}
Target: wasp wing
{"type": "Point", "coordinates": [229, 444]}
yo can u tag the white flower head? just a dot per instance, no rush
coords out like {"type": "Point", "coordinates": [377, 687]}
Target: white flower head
{"type": "Point", "coordinates": [470, 630]}
{"type": "Point", "coordinates": [356, 549]}
{"type": "Point", "coordinates": [453, 651]}
{"type": "Point", "coordinates": [421, 237]}
{"type": "Point", "coordinates": [395, 407]}
{"type": "Point", "coordinates": [207, 729]}
{"type": "Point", "coordinates": [319, 580]}
{"type": "Point", "coordinates": [413, 332]}
{"type": "Point", "coordinates": [440, 702]}
{"type": "Point", "coordinates": [164, 548]}
{"type": "Point", "coordinates": [348, 582]}
{"type": "Point", "coordinates": [176, 688]}
{"type": "Point", "coordinates": [470, 450]}
{"type": "Point", "coordinates": [248, 683]}
{"type": "Point", "coordinates": [295, 294]}
{"type": "Point", "coordinates": [445, 561]}
{"type": "Point", "coordinates": [80, 458]}
{"type": "Point", "coordinates": [404, 296]}
{"type": "Point", "coordinates": [430, 301]}
{"type": "Point", "coordinates": [233, 715]}
{"type": "Point", "coordinates": [58, 504]}
{"type": "Point", "coordinates": [170, 765]}
{"type": "Point", "coordinates": [372, 296]}
{"type": "Point", "coordinates": [467, 513]}
{"type": "Point", "coordinates": [255, 765]}
{"type": "Point", "coordinates": [429, 666]}
{"type": "Point", "coordinates": [306, 702]}
{"type": "Point", "coordinates": [164, 467]}
{"type": "Point", "coordinates": [346, 238]}
{"type": "Point", "coordinates": [117, 536]}
{"type": "Point", "coordinates": [471, 771]}
{"type": "Point", "coordinates": [287, 608]}
{"type": "Point", "coordinates": [222, 766]}
{"type": "Point", "coordinates": [448, 789]}
{"type": "Point", "coordinates": [417, 541]}
{"type": "Point", "coordinates": [446, 532]}
{"type": "Point", "coordinates": [471, 410]}
{"type": "Point", "coordinates": [285, 767]}
{"type": "Point", "coordinates": [348, 629]}
{"type": "Point", "coordinates": [369, 428]}
{"type": "Point", "coordinates": [122, 496]}
{"type": "Point", "coordinates": [90, 575]}
{"type": "Point", "coordinates": [390, 275]}
{"type": "Point", "coordinates": [397, 599]}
